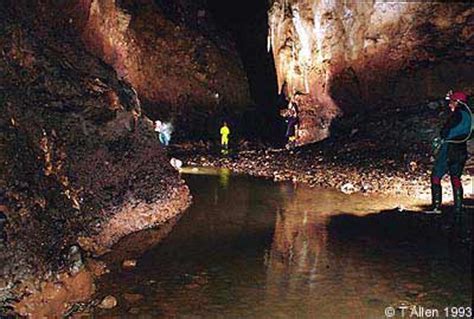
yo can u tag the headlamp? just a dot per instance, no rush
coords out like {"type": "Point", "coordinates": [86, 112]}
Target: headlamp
{"type": "Point", "coordinates": [448, 95]}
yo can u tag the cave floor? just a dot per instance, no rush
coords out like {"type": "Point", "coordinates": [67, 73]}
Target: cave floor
{"type": "Point", "coordinates": [388, 151]}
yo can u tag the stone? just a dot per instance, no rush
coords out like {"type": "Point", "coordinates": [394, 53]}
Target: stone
{"type": "Point", "coordinates": [108, 302]}
{"type": "Point", "coordinates": [348, 188]}
{"type": "Point", "coordinates": [132, 298]}
{"type": "Point", "coordinates": [129, 263]}
{"type": "Point", "coordinates": [3, 283]}
{"type": "Point", "coordinates": [134, 311]}
{"type": "Point", "coordinates": [378, 59]}
{"type": "Point", "coordinates": [176, 163]}
{"type": "Point", "coordinates": [74, 259]}
{"type": "Point", "coordinates": [3, 221]}
{"type": "Point", "coordinates": [59, 122]}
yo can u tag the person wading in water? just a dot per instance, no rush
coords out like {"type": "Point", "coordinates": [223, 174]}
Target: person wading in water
{"type": "Point", "coordinates": [451, 155]}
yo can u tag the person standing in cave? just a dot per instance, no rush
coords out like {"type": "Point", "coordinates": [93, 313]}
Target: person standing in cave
{"type": "Point", "coordinates": [451, 154]}
{"type": "Point", "coordinates": [292, 121]}
{"type": "Point", "coordinates": [164, 131]}
{"type": "Point", "coordinates": [225, 132]}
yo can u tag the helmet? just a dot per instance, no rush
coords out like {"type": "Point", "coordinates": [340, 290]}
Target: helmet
{"type": "Point", "coordinates": [457, 96]}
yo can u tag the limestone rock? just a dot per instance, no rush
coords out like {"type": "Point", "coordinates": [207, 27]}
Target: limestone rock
{"type": "Point", "coordinates": [346, 56]}
{"type": "Point", "coordinates": [108, 302]}
{"type": "Point", "coordinates": [129, 263]}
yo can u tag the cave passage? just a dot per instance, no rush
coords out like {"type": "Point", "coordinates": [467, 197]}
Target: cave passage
{"type": "Point", "coordinates": [248, 247]}
{"type": "Point", "coordinates": [240, 30]}
{"type": "Point", "coordinates": [84, 162]}
{"type": "Point", "coordinates": [247, 23]}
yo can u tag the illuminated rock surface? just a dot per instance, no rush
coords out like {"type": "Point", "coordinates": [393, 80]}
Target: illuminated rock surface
{"type": "Point", "coordinates": [80, 163]}
{"type": "Point", "coordinates": [171, 53]}
{"type": "Point", "coordinates": [356, 55]}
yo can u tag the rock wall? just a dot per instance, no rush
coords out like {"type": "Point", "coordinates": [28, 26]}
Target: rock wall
{"type": "Point", "coordinates": [170, 52]}
{"type": "Point", "coordinates": [79, 162]}
{"type": "Point", "coordinates": [348, 56]}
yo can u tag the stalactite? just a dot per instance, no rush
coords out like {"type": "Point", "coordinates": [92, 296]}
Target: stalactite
{"type": "Point", "coordinates": [375, 40]}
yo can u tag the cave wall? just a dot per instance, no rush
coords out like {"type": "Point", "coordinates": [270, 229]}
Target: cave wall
{"type": "Point", "coordinates": [170, 52]}
{"type": "Point", "coordinates": [352, 56]}
{"type": "Point", "coordinates": [79, 161]}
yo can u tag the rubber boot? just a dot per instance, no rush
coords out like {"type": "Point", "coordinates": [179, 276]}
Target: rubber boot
{"type": "Point", "coordinates": [459, 220]}
{"type": "Point", "coordinates": [435, 199]}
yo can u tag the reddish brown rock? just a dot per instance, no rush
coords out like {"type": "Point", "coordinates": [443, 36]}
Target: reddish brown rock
{"type": "Point", "coordinates": [79, 160]}
{"type": "Point", "coordinates": [173, 65]}
{"type": "Point", "coordinates": [57, 296]}
{"type": "Point", "coordinates": [132, 298]}
{"type": "Point", "coordinates": [108, 302]}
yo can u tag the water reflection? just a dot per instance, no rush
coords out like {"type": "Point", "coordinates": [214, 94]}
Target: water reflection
{"type": "Point", "coordinates": [250, 248]}
{"type": "Point", "coordinates": [224, 177]}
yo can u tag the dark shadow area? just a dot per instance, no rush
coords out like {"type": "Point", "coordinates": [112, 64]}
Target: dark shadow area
{"type": "Point", "coordinates": [403, 88]}
{"type": "Point", "coordinates": [415, 254]}
{"type": "Point", "coordinates": [247, 22]}
{"type": "Point", "coordinates": [238, 28]}
{"type": "Point", "coordinates": [409, 231]}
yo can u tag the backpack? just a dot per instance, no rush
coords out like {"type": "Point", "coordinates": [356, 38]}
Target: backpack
{"type": "Point", "coordinates": [469, 110]}
{"type": "Point", "coordinates": [467, 123]}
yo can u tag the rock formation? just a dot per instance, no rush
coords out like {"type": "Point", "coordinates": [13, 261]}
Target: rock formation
{"type": "Point", "coordinates": [80, 163]}
{"type": "Point", "coordinates": [182, 68]}
{"type": "Point", "coordinates": [348, 56]}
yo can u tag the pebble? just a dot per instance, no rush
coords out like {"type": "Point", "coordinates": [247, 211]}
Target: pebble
{"type": "Point", "coordinates": [108, 302]}
{"type": "Point", "coordinates": [134, 311]}
{"type": "Point", "coordinates": [129, 263]}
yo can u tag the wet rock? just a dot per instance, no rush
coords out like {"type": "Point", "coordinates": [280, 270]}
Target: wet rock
{"type": "Point", "coordinates": [192, 286]}
{"type": "Point", "coordinates": [391, 158]}
{"type": "Point", "coordinates": [129, 263]}
{"type": "Point", "coordinates": [176, 163]}
{"type": "Point", "coordinates": [134, 311]}
{"type": "Point", "coordinates": [98, 268]}
{"type": "Point", "coordinates": [3, 284]}
{"type": "Point", "coordinates": [348, 188]}
{"type": "Point", "coordinates": [407, 78]}
{"type": "Point", "coordinates": [76, 150]}
{"type": "Point", "coordinates": [413, 287]}
{"type": "Point", "coordinates": [108, 302]}
{"type": "Point", "coordinates": [3, 222]}
{"type": "Point", "coordinates": [132, 298]}
{"type": "Point", "coordinates": [187, 66]}
{"type": "Point", "coordinates": [74, 259]}
{"type": "Point", "coordinates": [434, 105]}
{"type": "Point", "coordinates": [52, 297]}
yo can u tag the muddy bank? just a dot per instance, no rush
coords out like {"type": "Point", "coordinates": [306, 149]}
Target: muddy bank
{"type": "Point", "coordinates": [68, 290]}
{"type": "Point", "coordinates": [56, 297]}
{"type": "Point", "coordinates": [79, 163]}
{"type": "Point", "coordinates": [388, 151]}
{"type": "Point", "coordinates": [136, 216]}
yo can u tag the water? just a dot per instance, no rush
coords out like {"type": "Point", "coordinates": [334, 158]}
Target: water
{"type": "Point", "coordinates": [250, 248]}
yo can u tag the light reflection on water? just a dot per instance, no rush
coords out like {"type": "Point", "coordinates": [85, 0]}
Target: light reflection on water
{"type": "Point", "coordinates": [250, 248]}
